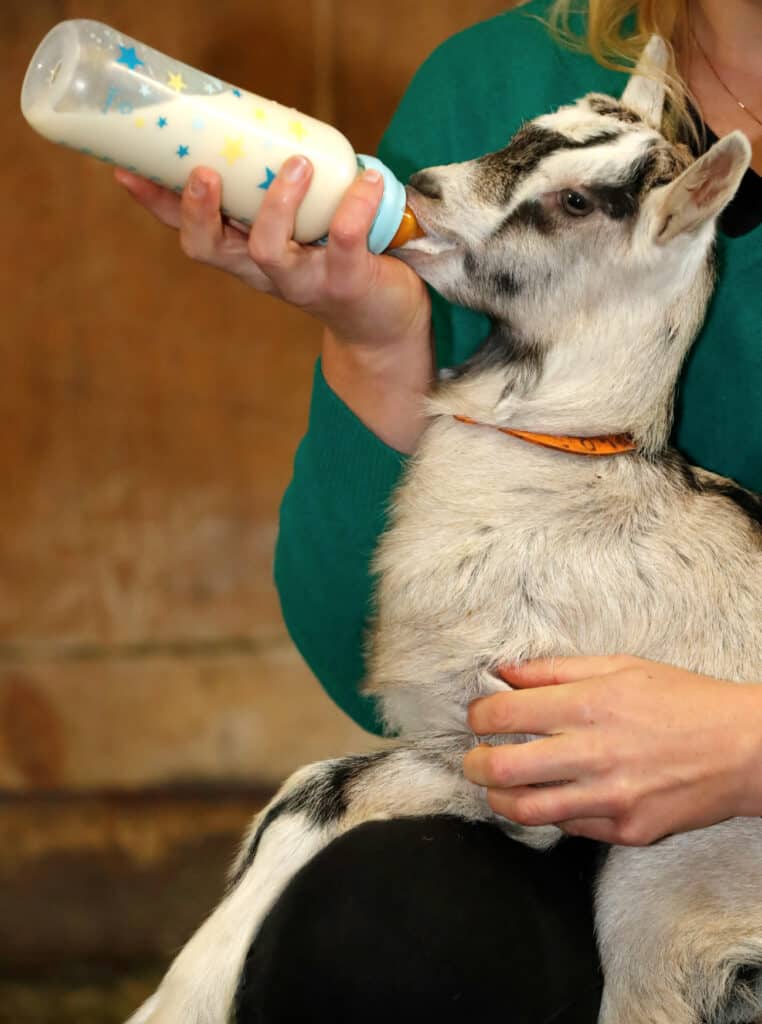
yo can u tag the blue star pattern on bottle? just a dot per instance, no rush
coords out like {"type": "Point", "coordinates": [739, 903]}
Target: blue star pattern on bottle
{"type": "Point", "coordinates": [268, 180]}
{"type": "Point", "coordinates": [130, 58]}
{"type": "Point", "coordinates": [142, 84]}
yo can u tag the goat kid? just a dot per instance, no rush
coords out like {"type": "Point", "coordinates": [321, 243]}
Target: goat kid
{"type": "Point", "coordinates": [588, 240]}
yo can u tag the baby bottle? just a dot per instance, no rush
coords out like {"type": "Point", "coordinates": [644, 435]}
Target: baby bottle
{"type": "Point", "coordinates": [95, 90]}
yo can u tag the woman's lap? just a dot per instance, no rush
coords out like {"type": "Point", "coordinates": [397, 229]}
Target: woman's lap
{"type": "Point", "coordinates": [429, 919]}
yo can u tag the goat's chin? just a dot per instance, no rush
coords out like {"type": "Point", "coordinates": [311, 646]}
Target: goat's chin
{"type": "Point", "coordinates": [437, 261]}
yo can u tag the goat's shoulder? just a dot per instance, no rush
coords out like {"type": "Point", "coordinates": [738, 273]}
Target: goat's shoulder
{"type": "Point", "coordinates": [713, 494]}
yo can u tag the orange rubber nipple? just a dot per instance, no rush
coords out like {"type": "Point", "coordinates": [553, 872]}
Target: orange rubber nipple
{"type": "Point", "coordinates": [409, 228]}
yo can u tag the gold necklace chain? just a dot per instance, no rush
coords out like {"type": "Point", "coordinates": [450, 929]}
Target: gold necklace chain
{"type": "Point", "coordinates": [716, 74]}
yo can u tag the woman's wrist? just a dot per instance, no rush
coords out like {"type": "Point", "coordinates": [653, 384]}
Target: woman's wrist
{"type": "Point", "coordinates": [750, 739]}
{"type": "Point", "coordinates": [384, 384]}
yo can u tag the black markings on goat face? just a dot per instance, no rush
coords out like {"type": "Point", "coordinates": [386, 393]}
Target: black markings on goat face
{"type": "Point", "coordinates": [499, 173]}
{"type": "Point", "coordinates": [501, 283]}
{"type": "Point", "coordinates": [619, 198]}
{"type": "Point", "coordinates": [657, 166]}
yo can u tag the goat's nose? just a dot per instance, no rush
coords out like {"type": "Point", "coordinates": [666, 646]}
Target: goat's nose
{"type": "Point", "coordinates": [426, 183]}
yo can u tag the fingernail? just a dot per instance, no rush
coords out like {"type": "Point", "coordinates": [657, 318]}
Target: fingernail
{"type": "Point", "coordinates": [198, 188]}
{"type": "Point", "coordinates": [372, 176]}
{"type": "Point", "coordinates": [295, 169]}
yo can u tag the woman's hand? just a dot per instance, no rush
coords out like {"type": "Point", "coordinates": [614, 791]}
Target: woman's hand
{"type": "Point", "coordinates": [377, 352]}
{"type": "Point", "coordinates": [630, 750]}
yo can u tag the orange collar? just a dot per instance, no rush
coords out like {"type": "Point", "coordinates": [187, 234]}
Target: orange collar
{"type": "Point", "coordinates": [609, 444]}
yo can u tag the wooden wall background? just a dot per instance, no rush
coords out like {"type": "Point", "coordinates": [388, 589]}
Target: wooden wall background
{"type": "Point", "coordinates": [150, 409]}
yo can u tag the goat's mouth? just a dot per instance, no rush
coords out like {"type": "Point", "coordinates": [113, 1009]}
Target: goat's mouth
{"type": "Point", "coordinates": [436, 241]}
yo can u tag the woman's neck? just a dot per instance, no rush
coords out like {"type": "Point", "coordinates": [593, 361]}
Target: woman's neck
{"type": "Point", "coordinates": [733, 30]}
{"type": "Point", "coordinates": [720, 61]}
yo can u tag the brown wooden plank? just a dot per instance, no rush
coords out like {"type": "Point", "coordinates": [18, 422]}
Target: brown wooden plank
{"type": "Point", "coordinates": [111, 879]}
{"type": "Point", "coordinates": [150, 406]}
{"type": "Point", "coordinates": [152, 718]}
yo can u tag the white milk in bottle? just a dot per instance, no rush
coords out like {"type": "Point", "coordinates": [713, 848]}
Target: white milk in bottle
{"type": "Point", "coordinates": [95, 90]}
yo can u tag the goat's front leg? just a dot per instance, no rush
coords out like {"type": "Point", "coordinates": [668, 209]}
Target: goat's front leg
{"type": "Point", "coordinates": [200, 986]}
{"type": "Point", "coordinates": [316, 805]}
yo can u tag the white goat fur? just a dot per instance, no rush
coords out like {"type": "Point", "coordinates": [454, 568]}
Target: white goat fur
{"type": "Point", "coordinates": [499, 551]}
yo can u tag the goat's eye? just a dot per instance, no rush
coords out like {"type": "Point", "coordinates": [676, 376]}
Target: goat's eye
{"type": "Point", "coordinates": [575, 203]}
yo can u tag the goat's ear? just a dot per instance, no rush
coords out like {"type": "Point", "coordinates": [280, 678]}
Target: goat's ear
{"type": "Point", "coordinates": [701, 192]}
{"type": "Point", "coordinates": [644, 93]}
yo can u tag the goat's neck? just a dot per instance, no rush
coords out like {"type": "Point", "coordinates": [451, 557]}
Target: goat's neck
{"type": "Point", "coordinates": [610, 369]}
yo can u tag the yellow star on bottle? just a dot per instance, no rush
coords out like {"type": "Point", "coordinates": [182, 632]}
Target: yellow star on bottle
{"type": "Point", "coordinates": [233, 149]}
{"type": "Point", "coordinates": [258, 114]}
{"type": "Point", "coordinates": [176, 81]}
{"type": "Point", "coordinates": [297, 129]}
{"type": "Point", "coordinates": [140, 122]}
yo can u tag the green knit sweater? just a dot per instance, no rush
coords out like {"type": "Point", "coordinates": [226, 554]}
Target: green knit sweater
{"type": "Point", "coordinates": [468, 99]}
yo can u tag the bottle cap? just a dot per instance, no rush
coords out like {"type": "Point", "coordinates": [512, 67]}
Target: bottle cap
{"type": "Point", "coordinates": [391, 209]}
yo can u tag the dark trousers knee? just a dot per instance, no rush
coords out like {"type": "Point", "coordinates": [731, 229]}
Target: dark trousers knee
{"type": "Point", "coordinates": [429, 919]}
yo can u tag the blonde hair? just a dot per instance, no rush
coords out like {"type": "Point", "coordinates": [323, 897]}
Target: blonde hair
{"type": "Point", "coordinates": [615, 32]}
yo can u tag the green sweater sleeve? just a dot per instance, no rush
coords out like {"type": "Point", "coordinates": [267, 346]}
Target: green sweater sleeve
{"type": "Point", "coordinates": [468, 98]}
{"type": "Point", "coordinates": [331, 517]}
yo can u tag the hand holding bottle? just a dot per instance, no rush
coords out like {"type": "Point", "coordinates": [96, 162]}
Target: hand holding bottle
{"type": "Point", "coordinates": [377, 350]}
{"type": "Point", "coordinates": [94, 89]}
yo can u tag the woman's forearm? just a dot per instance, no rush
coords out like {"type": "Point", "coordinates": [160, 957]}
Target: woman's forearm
{"type": "Point", "coordinates": [752, 805]}
{"type": "Point", "coordinates": [384, 386]}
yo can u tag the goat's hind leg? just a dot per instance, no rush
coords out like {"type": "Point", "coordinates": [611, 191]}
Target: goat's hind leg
{"type": "Point", "coordinates": [680, 928]}
{"type": "Point", "coordinates": [316, 805]}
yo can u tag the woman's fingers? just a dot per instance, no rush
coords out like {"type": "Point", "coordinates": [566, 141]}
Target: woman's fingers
{"type": "Point", "coordinates": [549, 759]}
{"type": "Point", "coordinates": [332, 282]}
{"type": "Point", "coordinates": [347, 275]}
{"type": "Point", "coordinates": [550, 671]}
{"type": "Point", "coordinates": [207, 237]}
{"type": "Point", "coordinates": [541, 711]}
{"type": "Point", "coordinates": [603, 829]}
{"type": "Point", "coordinates": [551, 805]}
{"type": "Point", "coordinates": [201, 226]}
{"type": "Point", "coordinates": [271, 243]}
{"type": "Point", "coordinates": [161, 202]}
{"type": "Point", "coordinates": [204, 235]}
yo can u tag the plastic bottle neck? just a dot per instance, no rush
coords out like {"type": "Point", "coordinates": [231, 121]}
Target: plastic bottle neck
{"type": "Point", "coordinates": [395, 222]}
